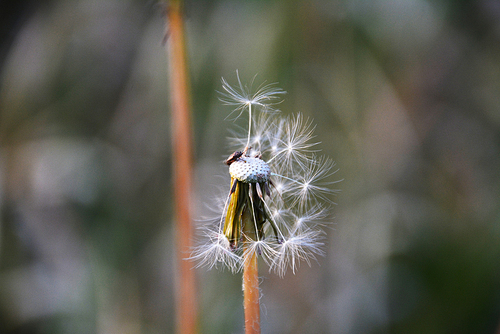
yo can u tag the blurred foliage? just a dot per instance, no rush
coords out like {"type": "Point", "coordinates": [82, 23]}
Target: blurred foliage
{"type": "Point", "coordinates": [406, 97]}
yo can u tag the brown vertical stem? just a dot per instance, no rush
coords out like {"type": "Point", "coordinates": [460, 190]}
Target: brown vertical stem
{"type": "Point", "coordinates": [182, 150]}
{"type": "Point", "coordinates": [251, 300]}
{"type": "Point", "coordinates": [251, 295]}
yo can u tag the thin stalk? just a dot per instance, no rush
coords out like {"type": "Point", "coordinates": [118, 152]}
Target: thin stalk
{"type": "Point", "coordinates": [249, 124]}
{"type": "Point", "coordinates": [251, 300]}
{"type": "Point", "coordinates": [182, 150]}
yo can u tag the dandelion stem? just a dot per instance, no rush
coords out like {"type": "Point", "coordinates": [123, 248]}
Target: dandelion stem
{"type": "Point", "coordinates": [251, 301]}
{"type": "Point", "coordinates": [251, 295]}
{"type": "Point", "coordinates": [181, 134]}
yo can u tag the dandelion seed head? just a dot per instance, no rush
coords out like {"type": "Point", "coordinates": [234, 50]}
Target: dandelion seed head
{"type": "Point", "coordinates": [278, 182]}
{"type": "Point", "coordinates": [250, 170]}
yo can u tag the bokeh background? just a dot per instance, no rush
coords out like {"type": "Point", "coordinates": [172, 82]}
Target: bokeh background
{"type": "Point", "coordinates": [406, 97]}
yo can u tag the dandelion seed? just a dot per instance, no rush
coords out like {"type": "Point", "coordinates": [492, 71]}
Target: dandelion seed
{"type": "Point", "coordinates": [266, 96]}
{"type": "Point", "coordinates": [296, 146]}
{"type": "Point", "coordinates": [313, 184]}
{"type": "Point", "coordinates": [300, 247]}
{"type": "Point", "coordinates": [279, 186]}
{"type": "Point", "coordinates": [216, 252]}
{"type": "Point", "coordinates": [263, 248]}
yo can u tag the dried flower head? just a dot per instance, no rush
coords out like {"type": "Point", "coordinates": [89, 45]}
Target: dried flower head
{"type": "Point", "coordinates": [280, 189]}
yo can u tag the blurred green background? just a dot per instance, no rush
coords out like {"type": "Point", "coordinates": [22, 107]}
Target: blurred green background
{"type": "Point", "coordinates": [406, 97]}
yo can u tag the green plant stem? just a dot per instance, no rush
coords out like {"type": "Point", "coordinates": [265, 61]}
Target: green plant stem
{"type": "Point", "coordinates": [186, 307]}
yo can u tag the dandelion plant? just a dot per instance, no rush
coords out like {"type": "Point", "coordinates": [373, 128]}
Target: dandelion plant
{"type": "Point", "coordinates": [279, 194]}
